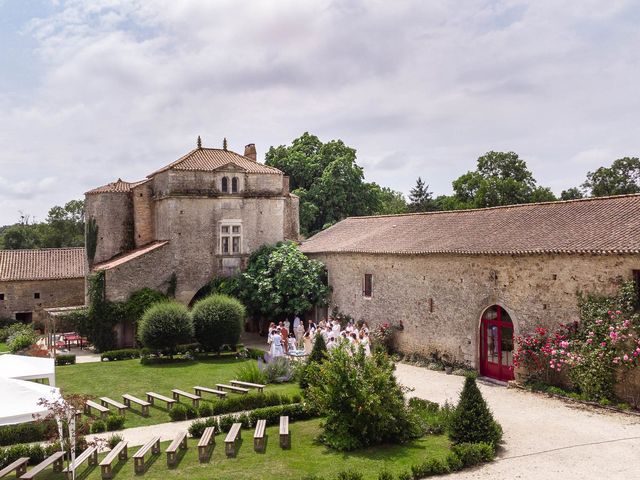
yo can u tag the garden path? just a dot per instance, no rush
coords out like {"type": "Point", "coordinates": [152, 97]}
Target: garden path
{"type": "Point", "coordinates": [544, 437]}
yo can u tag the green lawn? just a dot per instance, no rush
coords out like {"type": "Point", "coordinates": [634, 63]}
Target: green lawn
{"type": "Point", "coordinates": [4, 347]}
{"type": "Point", "coordinates": [305, 457]}
{"type": "Point", "coordinates": [112, 379]}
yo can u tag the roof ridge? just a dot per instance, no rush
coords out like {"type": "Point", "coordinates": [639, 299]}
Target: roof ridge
{"type": "Point", "coordinates": [48, 249]}
{"type": "Point", "coordinates": [498, 207]}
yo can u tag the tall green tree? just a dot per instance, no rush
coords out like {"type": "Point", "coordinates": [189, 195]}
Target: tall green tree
{"type": "Point", "coordinates": [572, 193]}
{"type": "Point", "coordinates": [501, 178]}
{"type": "Point", "coordinates": [420, 198]}
{"type": "Point", "coordinates": [622, 177]}
{"type": "Point", "coordinates": [389, 202]}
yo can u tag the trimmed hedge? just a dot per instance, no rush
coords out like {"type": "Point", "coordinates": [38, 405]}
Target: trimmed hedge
{"type": "Point", "coordinates": [69, 359]}
{"type": "Point", "coordinates": [25, 432]}
{"type": "Point", "coordinates": [122, 354]}
{"type": "Point", "coordinates": [35, 452]}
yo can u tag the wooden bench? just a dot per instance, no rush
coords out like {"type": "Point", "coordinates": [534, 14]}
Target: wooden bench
{"type": "Point", "coordinates": [222, 386]}
{"type": "Point", "coordinates": [106, 401]}
{"type": "Point", "coordinates": [56, 459]}
{"type": "Point", "coordinates": [285, 436]}
{"type": "Point", "coordinates": [208, 438]}
{"type": "Point", "coordinates": [259, 443]}
{"type": "Point", "coordinates": [120, 451]}
{"type": "Point", "coordinates": [257, 386]}
{"type": "Point", "coordinates": [195, 399]}
{"type": "Point", "coordinates": [20, 467]}
{"type": "Point", "coordinates": [138, 457]}
{"type": "Point", "coordinates": [144, 404]}
{"type": "Point", "coordinates": [90, 454]}
{"type": "Point", "coordinates": [151, 396]}
{"type": "Point", "coordinates": [199, 391]}
{"type": "Point", "coordinates": [180, 442]}
{"type": "Point", "coordinates": [89, 404]}
{"type": "Point", "coordinates": [231, 442]}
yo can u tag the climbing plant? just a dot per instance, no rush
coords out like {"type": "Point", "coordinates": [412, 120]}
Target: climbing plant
{"type": "Point", "coordinates": [91, 240]}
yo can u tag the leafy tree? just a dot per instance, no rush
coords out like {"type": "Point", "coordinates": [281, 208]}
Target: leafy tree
{"type": "Point", "coordinates": [139, 301]}
{"type": "Point", "coordinates": [623, 177]}
{"type": "Point", "coordinates": [501, 178]}
{"type": "Point", "coordinates": [281, 281]}
{"type": "Point", "coordinates": [390, 202]}
{"type": "Point", "coordinates": [572, 193]}
{"type": "Point", "coordinates": [472, 421]}
{"type": "Point", "coordinates": [164, 326]}
{"type": "Point", "coordinates": [420, 198]}
{"type": "Point", "coordinates": [362, 402]}
{"type": "Point", "coordinates": [218, 321]}
{"type": "Point", "coordinates": [319, 354]}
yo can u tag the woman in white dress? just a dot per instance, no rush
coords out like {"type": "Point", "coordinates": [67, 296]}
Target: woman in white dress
{"type": "Point", "coordinates": [364, 341]}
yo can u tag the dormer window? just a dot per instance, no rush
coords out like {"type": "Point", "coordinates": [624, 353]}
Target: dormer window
{"type": "Point", "coordinates": [225, 185]}
{"type": "Point", "coordinates": [234, 185]}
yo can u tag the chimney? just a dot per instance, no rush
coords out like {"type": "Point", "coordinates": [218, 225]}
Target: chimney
{"type": "Point", "coordinates": [250, 151]}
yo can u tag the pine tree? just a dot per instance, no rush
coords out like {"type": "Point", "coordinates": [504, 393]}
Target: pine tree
{"type": "Point", "coordinates": [472, 421]}
{"type": "Point", "coordinates": [420, 198]}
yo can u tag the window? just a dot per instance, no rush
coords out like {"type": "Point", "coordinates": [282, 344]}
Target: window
{"type": "Point", "coordinates": [368, 285]}
{"type": "Point", "coordinates": [1, 296]}
{"type": "Point", "coordinates": [36, 295]}
{"type": "Point", "coordinates": [234, 185]}
{"type": "Point", "coordinates": [636, 279]}
{"type": "Point", "coordinates": [230, 239]}
{"type": "Point", "coordinates": [225, 184]}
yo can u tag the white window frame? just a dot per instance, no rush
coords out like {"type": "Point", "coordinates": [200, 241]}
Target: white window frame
{"type": "Point", "coordinates": [233, 231]}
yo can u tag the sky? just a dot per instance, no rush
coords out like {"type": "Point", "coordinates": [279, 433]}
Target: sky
{"type": "Point", "coordinates": [92, 91]}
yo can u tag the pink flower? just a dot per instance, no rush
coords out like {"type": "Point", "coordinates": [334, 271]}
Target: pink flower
{"type": "Point", "coordinates": [626, 357]}
{"type": "Point", "coordinates": [603, 344]}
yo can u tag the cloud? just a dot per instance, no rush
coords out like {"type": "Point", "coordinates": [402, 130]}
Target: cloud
{"type": "Point", "coordinates": [121, 88]}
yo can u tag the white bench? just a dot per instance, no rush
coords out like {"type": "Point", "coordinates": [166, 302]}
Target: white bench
{"type": "Point", "coordinates": [195, 399]}
{"type": "Point", "coordinates": [120, 451]}
{"type": "Point", "coordinates": [151, 396]}
{"type": "Point", "coordinates": [285, 436]}
{"type": "Point", "coordinates": [208, 438]}
{"type": "Point", "coordinates": [138, 457]}
{"type": "Point", "coordinates": [180, 442]}
{"type": "Point", "coordinates": [222, 386]}
{"type": "Point", "coordinates": [259, 443]}
{"type": "Point", "coordinates": [106, 401]}
{"type": "Point", "coordinates": [20, 467]}
{"type": "Point", "coordinates": [144, 404]}
{"type": "Point", "coordinates": [89, 404]}
{"type": "Point", "coordinates": [90, 454]}
{"type": "Point", "coordinates": [231, 441]}
{"type": "Point", "coordinates": [56, 459]}
{"type": "Point", "coordinates": [199, 391]}
{"type": "Point", "coordinates": [257, 386]}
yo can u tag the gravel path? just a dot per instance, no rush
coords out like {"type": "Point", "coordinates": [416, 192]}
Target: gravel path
{"type": "Point", "coordinates": [545, 438]}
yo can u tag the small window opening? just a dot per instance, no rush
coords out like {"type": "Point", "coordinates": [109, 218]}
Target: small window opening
{"type": "Point", "coordinates": [36, 295]}
{"type": "Point", "coordinates": [234, 185]}
{"type": "Point", "coordinates": [367, 290]}
{"type": "Point", "coordinates": [1, 296]}
{"type": "Point", "coordinates": [225, 184]}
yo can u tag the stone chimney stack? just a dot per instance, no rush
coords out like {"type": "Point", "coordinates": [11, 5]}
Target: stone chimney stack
{"type": "Point", "coordinates": [250, 151]}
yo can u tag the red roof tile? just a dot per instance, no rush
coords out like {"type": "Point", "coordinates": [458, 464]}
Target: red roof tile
{"type": "Point", "coordinates": [210, 159]}
{"type": "Point", "coordinates": [594, 225]}
{"type": "Point", "coordinates": [126, 257]}
{"type": "Point", "coordinates": [119, 186]}
{"type": "Point", "coordinates": [44, 264]}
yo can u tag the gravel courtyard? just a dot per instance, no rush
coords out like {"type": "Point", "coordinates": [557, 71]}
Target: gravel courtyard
{"type": "Point", "coordinates": [545, 438]}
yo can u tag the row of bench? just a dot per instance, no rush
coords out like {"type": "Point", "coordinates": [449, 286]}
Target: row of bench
{"type": "Point", "coordinates": [236, 386]}
{"type": "Point", "coordinates": [90, 455]}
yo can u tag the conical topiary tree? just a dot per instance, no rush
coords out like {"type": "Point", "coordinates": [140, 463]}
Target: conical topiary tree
{"type": "Point", "coordinates": [319, 354]}
{"type": "Point", "coordinates": [472, 421]}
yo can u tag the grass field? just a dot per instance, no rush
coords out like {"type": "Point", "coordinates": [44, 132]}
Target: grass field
{"type": "Point", "coordinates": [305, 457]}
{"type": "Point", "coordinates": [3, 347]}
{"type": "Point", "coordinates": [112, 379]}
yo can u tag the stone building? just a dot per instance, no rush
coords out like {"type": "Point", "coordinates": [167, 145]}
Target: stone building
{"type": "Point", "coordinates": [32, 280]}
{"type": "Point", "coordinates": [461, 284]}
{"type": "Point", "coordinates": [197, 218]}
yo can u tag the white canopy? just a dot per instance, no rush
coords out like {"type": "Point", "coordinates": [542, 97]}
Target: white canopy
{"type": "Point", "coordinates": [19, 400]}
{"type": "Point", "coordinates": [28, 368]}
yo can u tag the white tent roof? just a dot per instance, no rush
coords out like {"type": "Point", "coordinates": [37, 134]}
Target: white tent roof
{"type": "Point", "coordinates": [28, 368]}
{"type": "Point", "coordinates": [19, 400]}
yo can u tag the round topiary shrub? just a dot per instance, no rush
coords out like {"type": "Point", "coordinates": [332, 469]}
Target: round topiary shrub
{"type": "Point", "coordinates": [165, 325]}
{"type": "Point", "coordinates": [218, 320]}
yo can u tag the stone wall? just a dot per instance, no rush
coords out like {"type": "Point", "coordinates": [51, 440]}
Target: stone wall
{"type": "Point", "coordinates": [440, 298]}
{"type": "Point", "coordinates": [19, 296]}
{"type": "Point", "coordinates": [143, 213]}
{"type": "Point", "coordinates": [114, 217]}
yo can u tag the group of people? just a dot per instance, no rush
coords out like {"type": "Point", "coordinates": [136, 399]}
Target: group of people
{"type": "Point", "coordinates": [286, 338]}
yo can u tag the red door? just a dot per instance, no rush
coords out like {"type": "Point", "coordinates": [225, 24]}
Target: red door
{"type": "Point", "coordinates": [496, 344]}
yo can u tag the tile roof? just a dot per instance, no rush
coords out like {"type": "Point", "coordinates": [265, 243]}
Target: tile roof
{"type": "Point", "coordinates": [43, 264]}
{"type": "Point", "coordinates": [124, 258]}
{"type": "Point", "coordinates": [594, 225]}
{"type": "Point", "coordinates": [210, 159]}
{"type": "Point", "coordinates": [119, 186]}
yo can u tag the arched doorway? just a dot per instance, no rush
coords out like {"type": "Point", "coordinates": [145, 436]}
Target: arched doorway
{"type": "Point", "coordinates": [496, 344]}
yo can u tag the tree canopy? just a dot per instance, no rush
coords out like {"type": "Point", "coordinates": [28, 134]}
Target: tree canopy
{"type": "Point", "coordinates": [421, 199]}
{"type": "Point", "coordinates": [622, 177]}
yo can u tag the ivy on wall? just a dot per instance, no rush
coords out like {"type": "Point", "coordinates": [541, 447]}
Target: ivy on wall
{"type": "Point", "coordinates": [91, 240]}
